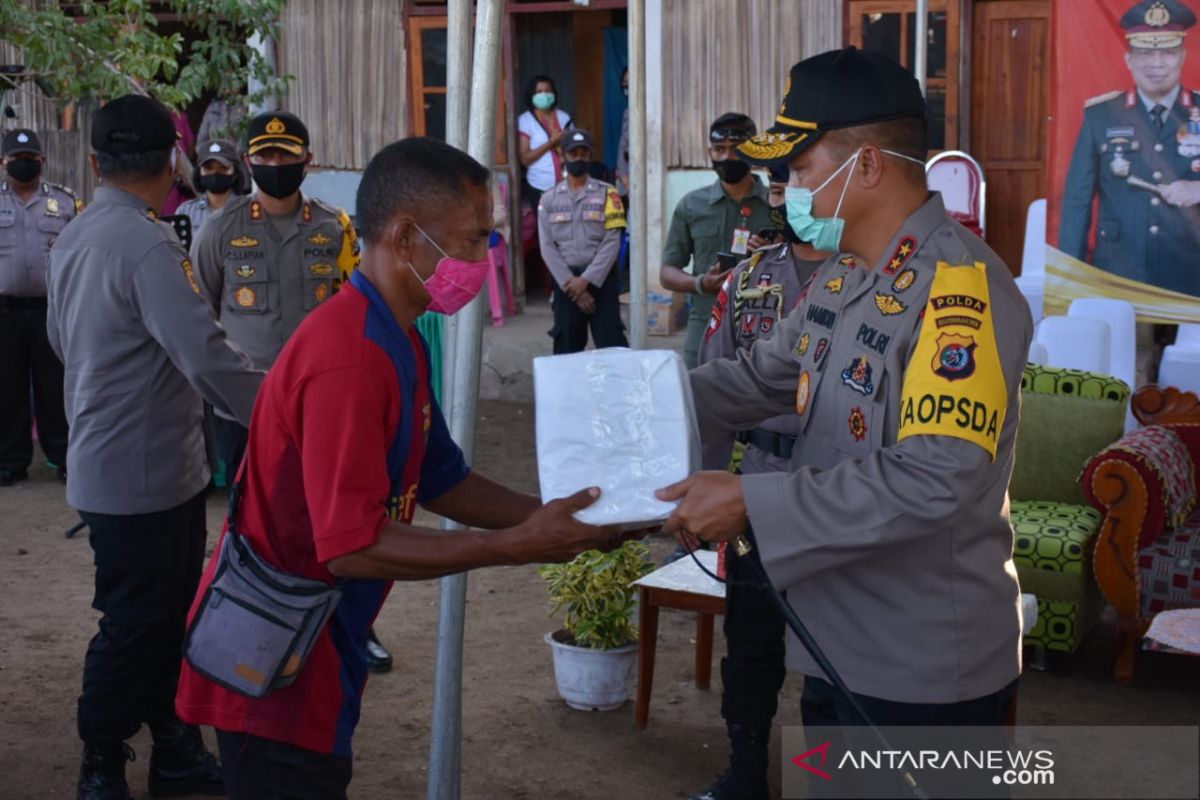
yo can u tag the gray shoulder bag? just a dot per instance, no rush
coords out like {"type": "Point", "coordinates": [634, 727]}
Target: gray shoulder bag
{"type": "Point", "coordinates": [257, 624]}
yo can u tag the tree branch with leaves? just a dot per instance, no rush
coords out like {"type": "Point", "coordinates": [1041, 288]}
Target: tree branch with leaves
{"type": "Point", "coordinates": [102, 50]}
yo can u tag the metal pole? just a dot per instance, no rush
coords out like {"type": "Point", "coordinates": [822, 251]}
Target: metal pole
{"type": "Point", "coordinates": [638, 230]}
{"type": "Point", "coordinates": [461, 389]}
{"type": "Point", "coordinates": [458, 71]}
{"type": "Point", "coordinates": [921, 34]}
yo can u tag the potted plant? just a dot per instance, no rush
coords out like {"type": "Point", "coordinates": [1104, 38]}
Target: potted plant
{"type": "Point", "coordinates": [594, 655]}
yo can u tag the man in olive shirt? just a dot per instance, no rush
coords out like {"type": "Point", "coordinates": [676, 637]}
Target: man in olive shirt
{"type": "Point", "coordinates": [719, 218]}
{"type": "Point", "coordinates": [140, 348]}
{"type": "Point", "coordinates": [890, 534]}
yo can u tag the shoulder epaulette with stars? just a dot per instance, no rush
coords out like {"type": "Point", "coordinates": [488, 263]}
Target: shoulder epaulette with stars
{"type": "Point", "coordinates": [1101, 98]}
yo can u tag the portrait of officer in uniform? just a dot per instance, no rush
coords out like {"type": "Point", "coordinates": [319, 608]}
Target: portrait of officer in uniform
{"type": "Point", "coordinates": [1138, 153]}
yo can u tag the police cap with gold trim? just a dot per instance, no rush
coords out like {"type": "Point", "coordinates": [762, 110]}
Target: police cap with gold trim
{"type": "Point", "coordinates": [277, 129]}
{"type": "Point", "coordinates": [1157, 24]}
{"type": "Point", "coordinates": [836, 89]}
{"type": "Point", "coordinates": [133, 124]}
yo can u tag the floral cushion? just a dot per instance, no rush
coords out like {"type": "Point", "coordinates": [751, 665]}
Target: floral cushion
{"type": "Point", "coordinates": [1169, 570]}
{"type": "Point", "coordinates": [1167, 454]}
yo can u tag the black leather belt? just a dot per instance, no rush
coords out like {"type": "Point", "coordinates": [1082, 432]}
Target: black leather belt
{"type": "Point", "coordinates": [8, 301]}
{"type": "Point", "coordinates": [779, 445]}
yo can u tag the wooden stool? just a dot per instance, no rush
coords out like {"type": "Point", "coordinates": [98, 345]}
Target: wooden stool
{"type": "Point", "coordinates": [684, 586]}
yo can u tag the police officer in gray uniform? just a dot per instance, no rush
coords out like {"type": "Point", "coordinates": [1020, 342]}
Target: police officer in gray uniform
{"type": "Point", "coordinates": [580, 222]}
{"type": "Point", "coordinates": [890, 533]}
{"type": "Point", "coordinates": [1139, 150]}
{"type": "Point", "coordinates": [33, 212]}
{"type": "Point", "coordinates": [140, 348]}
{"type": "Point", "coordinates": [217, 179]}
{"type": "Point", "coordinates": [751, 306]}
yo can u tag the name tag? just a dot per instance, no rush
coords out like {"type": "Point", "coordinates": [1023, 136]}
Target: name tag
{"type": "Point", "coordinates": [741, 241]}
{"type": "Point", "coordinates": [594, 216]}
{"type": "Point", "coordinates": [560, 216]}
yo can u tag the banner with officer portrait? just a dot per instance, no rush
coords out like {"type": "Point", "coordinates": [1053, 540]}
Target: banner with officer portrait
{"type": "Point", "coordinates": [1124, 169]}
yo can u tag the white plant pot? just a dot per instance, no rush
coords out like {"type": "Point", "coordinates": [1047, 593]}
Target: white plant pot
{"type": "Point", "coordinates": [593, 680]}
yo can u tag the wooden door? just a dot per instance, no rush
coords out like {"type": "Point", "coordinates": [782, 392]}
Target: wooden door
{"type": "Point", "coordinates": [1010, 105]}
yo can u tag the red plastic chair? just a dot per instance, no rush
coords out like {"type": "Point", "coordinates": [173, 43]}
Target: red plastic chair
{"type": "Point", "coordinates": [960, 180]}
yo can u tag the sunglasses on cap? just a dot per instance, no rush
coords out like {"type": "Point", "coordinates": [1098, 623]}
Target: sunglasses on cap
{"type": "Point", "coordinates": [728, 135]}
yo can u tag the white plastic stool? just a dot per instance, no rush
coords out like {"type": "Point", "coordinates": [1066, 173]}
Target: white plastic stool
{"type": "Point", "coordinates": [1180, 368]}
{"type": "Point", "coordinates": [1075, 343]}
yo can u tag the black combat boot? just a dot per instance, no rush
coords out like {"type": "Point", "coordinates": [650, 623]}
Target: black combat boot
{"type": "Point", "coordinates": [102, 774]}
{"type": "Point", "coordinates": [180, 764]}
{"type": "Point", "coordinates": [746, 778]}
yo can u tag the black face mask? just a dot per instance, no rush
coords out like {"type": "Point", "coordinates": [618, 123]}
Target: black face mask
{"type": "Point", "coordinates": [779, 219]}
{"type": "Point", "coordinates": [278, 182]}
{"type": "Point", "coordinates": [731, 170]}
{"type": "Point", "coordinates": [23, 170]}
{"type": "Point", "coordinates": [578, 168]}
{"type": "Point", "coordinates": [216, 183]}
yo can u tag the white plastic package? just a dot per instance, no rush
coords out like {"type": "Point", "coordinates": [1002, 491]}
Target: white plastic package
{"type": "Point", "coordinates": [619, 419]}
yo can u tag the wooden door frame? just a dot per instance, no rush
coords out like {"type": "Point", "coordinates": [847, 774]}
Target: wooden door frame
{"type": "Point", "coordinates": [958, 68]}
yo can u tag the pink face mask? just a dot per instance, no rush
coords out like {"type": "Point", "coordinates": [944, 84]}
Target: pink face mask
{"type": "Point", "coordinates": [454, 282]}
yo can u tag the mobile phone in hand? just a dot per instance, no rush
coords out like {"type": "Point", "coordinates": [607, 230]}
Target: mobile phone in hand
{"type": "Point", "coordinates": [728, 261]}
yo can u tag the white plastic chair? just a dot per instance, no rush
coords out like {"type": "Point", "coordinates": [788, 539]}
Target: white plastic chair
{"type": "Point", "coordinates": [1038, 354]}
{"type": "Point", "coordinates": [1032, 280]}
{"type": "Point", "coordinates": [959, 178]}
{"type": "Point", "coordinates": [1122, 325]}
{"type": "Point", "coordinates": [1033, 258]}
{"type": "Point", "coordinates": [1075, 342]}
{"type": "Point", "coordinates": [1180, 368]}
{"type": "Point", "coordinates": [1188, 336]}
{"type": "Point", "coordinates": [1034, 292]}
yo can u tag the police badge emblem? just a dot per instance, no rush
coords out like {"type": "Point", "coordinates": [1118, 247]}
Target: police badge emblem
{"type": "Point", "coordinates": [955, 358]}
{"type": "Point", "coordinates": [858, 376]}
{"type": "Point", "coordinates": [245, 297]}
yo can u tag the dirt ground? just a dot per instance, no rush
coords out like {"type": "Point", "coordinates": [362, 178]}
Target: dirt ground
{"type": "Point", "coordinates": [519, 739]}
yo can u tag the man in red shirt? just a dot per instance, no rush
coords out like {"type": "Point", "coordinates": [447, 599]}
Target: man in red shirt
{"type": "Point", "coordinates": [346, 439]}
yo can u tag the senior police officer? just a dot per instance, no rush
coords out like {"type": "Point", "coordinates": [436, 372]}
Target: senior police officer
{"type": "Point", "coordinates": [140, 348]}
{"type": "Point", "coordinates": [580, 222]}
{"type": "Point", "coordinates": [272, 256]}
{"type": "Point", "coordinates": [711, 220]}
{"type": "Point", "coordinates": [756, 296]}
{"type": "Point", "coordinates": [890, 534]}
{"type": "Point", "coordinates": [33, 212]}
{"type": "Point", "coordinates": [1139, 151]}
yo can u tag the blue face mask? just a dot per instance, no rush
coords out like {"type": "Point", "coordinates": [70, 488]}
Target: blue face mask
{"type": "Point", "coordinates": [543, 101]}
{"type": "Point", "coordinates": [824, 233]}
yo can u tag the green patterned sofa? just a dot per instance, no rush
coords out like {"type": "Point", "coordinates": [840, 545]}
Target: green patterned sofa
{"type": "Point", "coordinates": [1067, 416]}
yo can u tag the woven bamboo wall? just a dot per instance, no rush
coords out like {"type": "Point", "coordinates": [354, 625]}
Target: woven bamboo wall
{"type": "Point", "coordinates": [734, 55]}
{"type": "Point", "coordinates": [350, 88]}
